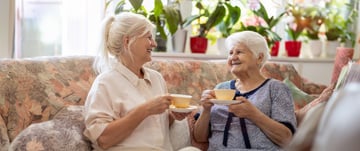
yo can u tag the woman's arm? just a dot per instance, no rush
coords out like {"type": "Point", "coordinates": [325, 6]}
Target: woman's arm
{"type": "Point", "coordinates": [118, 130]}
{"type": "Point", "coordinates": [201, 127]}
{"type": "Point", "coordinates": [277, 132]}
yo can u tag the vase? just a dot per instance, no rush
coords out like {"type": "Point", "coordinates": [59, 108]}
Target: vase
{"type": "Point", "coordinates": [179, 41]}
{"type": "Point", "coordinates": [293, 48]}
{"type": "Point", "coordinates": [275, 49]}
{"type": "Point", "coordinates": [198, 44]}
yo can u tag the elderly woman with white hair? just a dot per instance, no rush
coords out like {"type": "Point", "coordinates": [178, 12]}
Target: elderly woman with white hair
{"type": "Point", "coordinates": [263, 117]}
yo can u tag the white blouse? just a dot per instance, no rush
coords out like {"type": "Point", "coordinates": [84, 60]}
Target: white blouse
{"type": "Point", "coordinates": [113, 94]}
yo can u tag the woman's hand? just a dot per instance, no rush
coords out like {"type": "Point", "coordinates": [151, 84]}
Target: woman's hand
{"type": "Point", "coordinates": [158, 104]}
{"type": "Point", "coordinates": [205, 99]}
{"type": "Point", "coordinates": [244, 109]}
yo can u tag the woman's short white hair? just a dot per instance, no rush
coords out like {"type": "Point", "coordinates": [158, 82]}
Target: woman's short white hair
{"type": "Point", "coordinates": [253, 40]}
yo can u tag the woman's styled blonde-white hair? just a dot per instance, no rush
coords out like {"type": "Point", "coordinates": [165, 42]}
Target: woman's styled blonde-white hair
{"type": "Point", "coordinates": [113, 30]}
{"type": "Point", "coordinates": [252, 40]}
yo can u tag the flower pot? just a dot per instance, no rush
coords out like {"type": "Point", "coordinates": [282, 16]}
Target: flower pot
{"type": "Point", "coordinates": [330, 48]}
{"type": "Point", "coordinates": [293, 48]}
{"type": "Point", "coordinates": [198, 44]}
{"type": "Point", "coordinates": [221, 46]}
{"type": "Point", "coordinates": [275, 49]}
{"type": "Point", "coordinates": [179, 41]}
{"type": "Point", "coordinates": [316, 47]}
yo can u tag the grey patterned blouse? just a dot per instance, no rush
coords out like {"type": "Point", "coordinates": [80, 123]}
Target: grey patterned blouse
{"type": "Point", "coordinates": [273, 98]}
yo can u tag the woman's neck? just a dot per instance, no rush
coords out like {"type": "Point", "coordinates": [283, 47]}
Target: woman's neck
{"type": "Point", "coordinates": [136, 69]}
{"type": "Point", "coordinates": [249, 83]}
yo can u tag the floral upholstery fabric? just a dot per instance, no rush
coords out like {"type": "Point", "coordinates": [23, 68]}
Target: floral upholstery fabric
{"type": "Point", "coordinates": [34, 90]}
{"type": "Point", "coordinates": [280, 71]}
{"type": "Point", "coordinates": [191, 77]}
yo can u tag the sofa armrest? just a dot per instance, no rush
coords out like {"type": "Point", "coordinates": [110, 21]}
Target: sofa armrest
{"type": "Point", "coordinates": [313, 88]}
{"type": "Point", "coordinates": [63, 132]}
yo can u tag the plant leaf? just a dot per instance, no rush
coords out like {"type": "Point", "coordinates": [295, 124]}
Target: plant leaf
{"type": "Point", "coordinates": [136, 4]}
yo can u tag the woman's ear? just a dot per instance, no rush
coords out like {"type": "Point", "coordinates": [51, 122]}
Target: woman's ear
{"type": "Point", "coordinates": [126, 41]}
{"type": "Point", "coordinates": [260, 57]}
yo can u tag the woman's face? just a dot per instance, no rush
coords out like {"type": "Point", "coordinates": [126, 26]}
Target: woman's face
{"type": "Point", "coordinates": [142, 48]}
{"type": "Point", "coordinates": [242, 60]}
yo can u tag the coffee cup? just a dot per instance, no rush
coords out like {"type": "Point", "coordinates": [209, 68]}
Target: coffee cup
{"type": "Point", "coordinates": [224, 94]}
{"type": "Point", "coordinates": [180, 100]}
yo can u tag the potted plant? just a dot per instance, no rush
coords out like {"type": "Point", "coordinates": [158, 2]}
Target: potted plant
{"type": "Point", "coordinates": [228, 25]}
{"type": "Point", "coordinates": [165, 17]}
{"type": "Point", "coordinates": [338, 27]}
{"type": "Point", "coordinates": [272, 38]}
{"type": "Point", "coordinates": [315, 18]}
{"type": "Point", "coordinates": [295, 25]}
{"type": "Point", "coordinates": [205, 20]}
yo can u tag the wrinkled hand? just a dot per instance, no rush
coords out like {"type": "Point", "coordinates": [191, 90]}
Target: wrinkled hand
{"type": "Point", "coordinates": [244, 109]}
{"type": "Point", "coordinates": [205, 99]}
{"type": "Point", "coordinates": [158, 104]}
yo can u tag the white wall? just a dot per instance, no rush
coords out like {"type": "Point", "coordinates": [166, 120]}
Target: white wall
{"type": "Point", "coordinates": [5, 29]}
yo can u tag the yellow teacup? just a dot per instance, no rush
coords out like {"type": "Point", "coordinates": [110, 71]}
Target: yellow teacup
{"type": "Point", "coordinates": [224, 94]}
{"type": "Point", "coordinates": [180, 100]}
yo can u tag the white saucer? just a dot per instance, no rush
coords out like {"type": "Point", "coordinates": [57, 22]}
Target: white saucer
{"type": "Point", "coordinates": [182, 110]}
{"type": "Point", "coordinates": [224, 102]}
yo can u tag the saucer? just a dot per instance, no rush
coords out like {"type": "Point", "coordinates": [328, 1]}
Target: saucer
{"type": "Point", "coordinates": [224, 102]}
{"type": "Point", "coordinates": [182, 110]}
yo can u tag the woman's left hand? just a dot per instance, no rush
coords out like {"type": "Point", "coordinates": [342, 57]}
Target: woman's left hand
{"type": "Point", "coordinates": [179, 116]}
{"type": "Point", "coordinates": [244, 109]}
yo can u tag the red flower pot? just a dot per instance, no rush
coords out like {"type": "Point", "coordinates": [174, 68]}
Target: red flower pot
{"type": "Point", "coordinates": [198, 44]}
{"type": "Point", "coordinates": [293, 48]}
{"type": "Point", "coordinates": [275, 49]}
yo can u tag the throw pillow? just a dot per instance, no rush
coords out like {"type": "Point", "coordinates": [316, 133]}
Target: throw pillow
{"type": "Point", "coordinates": [300, 97]}
{"type": "Point", "coordinates": [63, 133]}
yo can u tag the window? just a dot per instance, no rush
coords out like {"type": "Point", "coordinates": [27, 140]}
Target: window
{"type": "Point", "coordinates": [57, 27]}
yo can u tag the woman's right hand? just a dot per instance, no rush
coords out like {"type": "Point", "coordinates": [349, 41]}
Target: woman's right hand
{"type": "Point", "coordinates": [205, 99]}
{"type": "Point", "coordinates": [158, 104]}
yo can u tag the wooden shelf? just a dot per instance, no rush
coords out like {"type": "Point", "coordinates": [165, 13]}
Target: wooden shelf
{"type": "Point", "coordinates": [187, 56]}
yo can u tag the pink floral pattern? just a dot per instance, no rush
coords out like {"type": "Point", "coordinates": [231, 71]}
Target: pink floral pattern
{"type": "Point", "coordinates": [34, 90]}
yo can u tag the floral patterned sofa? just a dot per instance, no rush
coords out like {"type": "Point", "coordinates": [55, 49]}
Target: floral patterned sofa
{"type": "Point", "coordinates": [41, 98]}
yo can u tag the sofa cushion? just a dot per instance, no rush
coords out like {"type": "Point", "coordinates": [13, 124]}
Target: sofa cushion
{"type": "Point", "coordinates": [64, 132]}
{"type": "Point", "coordinates": [4, 138]}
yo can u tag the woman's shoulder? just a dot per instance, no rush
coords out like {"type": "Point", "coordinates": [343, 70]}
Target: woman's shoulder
{"type": "Point", "coordinates": [277, 84]}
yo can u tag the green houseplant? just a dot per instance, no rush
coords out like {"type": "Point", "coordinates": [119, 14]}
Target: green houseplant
{"type": "Point", "coordinates": [204, 21]}
{"type": "Point", "coordinates": [339, 26]}
{"type": "Point", "coordinates": [167, 18]}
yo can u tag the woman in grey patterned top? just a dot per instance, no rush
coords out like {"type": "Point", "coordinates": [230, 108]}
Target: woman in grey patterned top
{"type": "Point", "coordinates": [264, 118]}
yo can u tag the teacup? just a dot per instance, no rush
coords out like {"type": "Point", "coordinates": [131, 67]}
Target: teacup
{"type": "Point", "coordinates": [224, 94]}
{"type": "Point", "coordinates": [180, 100]}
